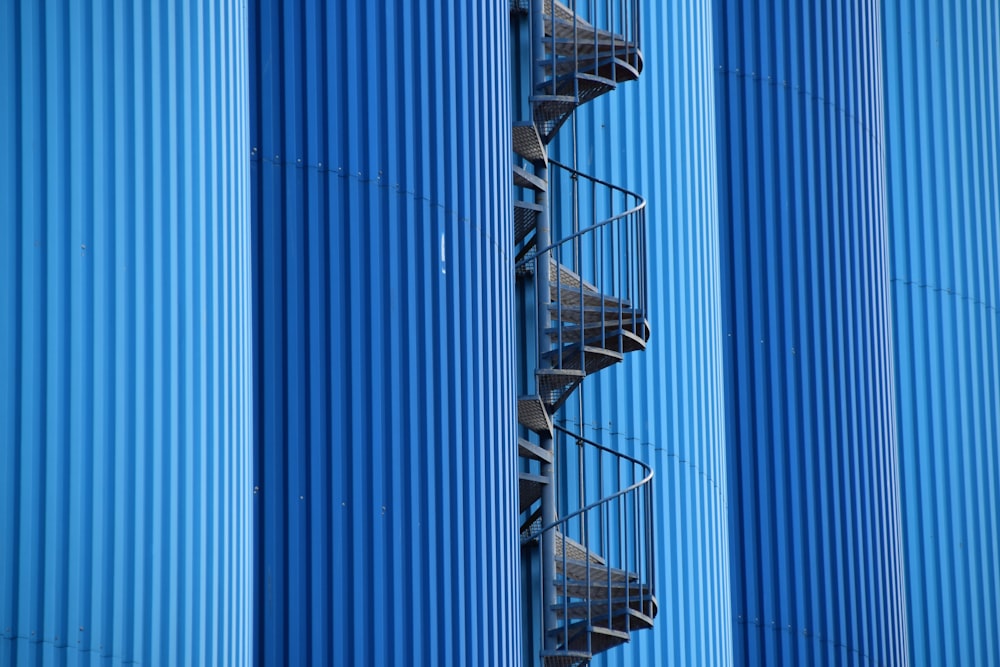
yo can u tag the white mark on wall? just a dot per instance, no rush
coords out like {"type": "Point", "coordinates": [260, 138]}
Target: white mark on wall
{"type": "Point", "coordinates": [442, 253]}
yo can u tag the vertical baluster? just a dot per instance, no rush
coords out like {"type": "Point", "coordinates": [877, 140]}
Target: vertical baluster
{"type": "Point", "coordinates": [607, 561]}
{"type": "Point", "coordinates": [636, 530]}
{"type": "Point", "coordinates": [601, 252]}
{"type": "Point", "coordinates": [651, 539]}
{"type": "Point", "coordinates": [619, 283]}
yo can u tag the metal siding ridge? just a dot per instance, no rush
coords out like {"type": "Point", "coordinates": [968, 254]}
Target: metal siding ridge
{"type": "Point", "coordinates": [94, 508]}
{"type": "Point", "coordinates": [940, 82]}
{"type": "Point", "coordinates": [391, 251]}
{"type": "Point", "coordinates": [815, 538]}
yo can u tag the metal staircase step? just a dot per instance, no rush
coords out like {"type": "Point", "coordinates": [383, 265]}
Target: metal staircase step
{"type": "Point", "coordinates": [609, 336]}
{"type": "Point", "coordinates": [623, 619]}
{"type": "Point", "coordinates": [574, 637]}
{"type": "Point", "coordinates": [525, 218]}
{"type": "Point", "coordinates": [583, 59]}
{"type": "Point", "coordinates": [529, 489]}
{"type": "Point", "coordinates": [531, 527]}
{"type": "Point", "coordinates": [588, 43]}
{"type": "Point", "coordinates": [600, 633]}
{"type": "Point", "coordinates": [600, 59]}
{"type": "Point", "coordinates": [559, 9]}
{"type": "Point", "coordinates": [595, 590]}
{"type": "Point", "coordinates": [569, 279]}
{"type": "Point", "coordinates": [525, 179]}
{"type": "Point", "coordinates": [551, 110]}
{"type": "Point", "coordinates": [624, 317]}
{"type": "Point", "coordinates": [571, 297]}
{"type": "Point", "coordinates": [589, 359]}
{"type": "Point", "coordinates": [565, 658]}
{"type": "Point", "coordinates": [575, 552]}
{"type": "Point", "coordinates": [528, 144]}
{"type": "Point", "coordinates": [643, 606]}
{"type": "Point", "coordinates": [577, 569]}
{"type": "Point", "coordinates": [555, 385]}
{"type": "Point", "coordinates": [529, 450]}
{"type": "Point", "coordinates": [556, 99]}
{"type": "Point", "coordinates": [519, 6]}
{"type": "Point", "coordinates": [531, 414]}
{"type": "Point", "coordinates": [564, 24]}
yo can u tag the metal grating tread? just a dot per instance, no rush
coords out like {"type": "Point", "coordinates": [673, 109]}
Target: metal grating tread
{"type": "Point", "coordinates": [551, 111]}
{"type": "Point", "coordinates": [555, 385]}
{"type": "Point", "coordinates": [524, 179]}
{"type": "Point", "coordinates": [630, 318]}
{"type": "Point", "coordinates": [532, 526]}
{"type": "Point", "coordinates": [644, 608]}
{"type": "Point", "coordinates": [555, 100]}
{"type": "Point", "coordinates": [529, 450]}
{"type": "Point", "coordinates": [591, 359]}
{"type": "Point", "coordinates": [569, 279]}
{"type": "Point", "coordinates": [529, 489]}
{"type": "Point", "coordinates": [624, 619]}
{"type": "Point", "coordinates": [576, 551]}
{"type": "Point", "coordinates": [528, 144]}
{"type": "Point", "coordinates": [565, 658]}
{"type": "Point", "coordinates": [575, 636]}
{"type": "Point", "coordinates": [571, 297]}
{"type": "Point", "coordinates": [620, 67]}
{"type": "Point", "coordinates": [577, 569]}
{"type": "Point", "coordinates": [519, 6]}
{"type": "Point", "coordinates": [531, 414]}
{"type": "Point", "coordinates": [611, 336]}
{"type": "Point", "coordinates": [599, 60]}
{"type": "Point", "coordinates": [568, 27]}
{"type": "Point", "coordinates": [597, 590]}
{"type": "Point", "coordinates": [588, 43]}
{"type": "Point", "coordinates": [561, 10]}
{"type": "Point", "coordinates": [525, 218]}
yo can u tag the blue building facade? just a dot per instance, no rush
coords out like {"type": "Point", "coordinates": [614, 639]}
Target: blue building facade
{"type": "Point", "coordinates": [383, 305]}
{"type": "Point", "coordinates": [125, 368]}
{"type": "Point", "coordinates": [525, 332]}
{"type": "Point", "coordinates": [942, 119]}
{"type": "Point", "coordinates": [815, 527]}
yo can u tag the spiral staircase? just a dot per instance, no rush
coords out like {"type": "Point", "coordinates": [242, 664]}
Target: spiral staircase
{"type": "Point", "coordinates": [585, 309]}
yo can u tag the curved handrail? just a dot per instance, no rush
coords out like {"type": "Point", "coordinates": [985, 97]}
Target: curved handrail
{"type": "Point", "coordinates": [641, 206]}
{"type": "Point", "coordinates": [579, 438]}
{"type": "Point", "coordinates": [608, 592]}
{"type": "Point", "coordinates": [597, 275]}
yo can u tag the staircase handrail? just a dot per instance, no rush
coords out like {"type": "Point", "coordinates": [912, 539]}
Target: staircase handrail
{"type": "Point", "coordinates": [606, 499]}
{"type": "Point", "coordinates": [640, 206]}
{"type": "Point", "coordinates": [601, 275]}
{"type": "Point", "coordinates": [618, 20]}
{"type": "Point", "coordinates": [641, 591]}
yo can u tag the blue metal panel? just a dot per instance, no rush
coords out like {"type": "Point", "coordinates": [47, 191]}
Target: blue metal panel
{"type": "Point", "coordinates": [385, 496]}
{"type": "Point", "coordinates": [125, 501]}
{"type": "Point", "coordinates": [942, 87]}
{"type": "Point", "coordinates": [656, 136]}
{"type": "Point", "coordinates": [815, 526]}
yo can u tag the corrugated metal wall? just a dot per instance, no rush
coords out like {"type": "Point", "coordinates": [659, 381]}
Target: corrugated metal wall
{"type": "Point", "coordinates": [942, 79]}
{"type": "Point", "coordinates": [385, 495]}
{"type": "Point", "coordinates": [124, 334]}
{"type": "Point", "coordinates": [656, 136]}
{"type": "Point", "coordinates": [815, 526]}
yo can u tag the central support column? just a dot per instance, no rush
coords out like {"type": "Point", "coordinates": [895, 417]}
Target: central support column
{"type": "Point", "coordinates": [543, 238]}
